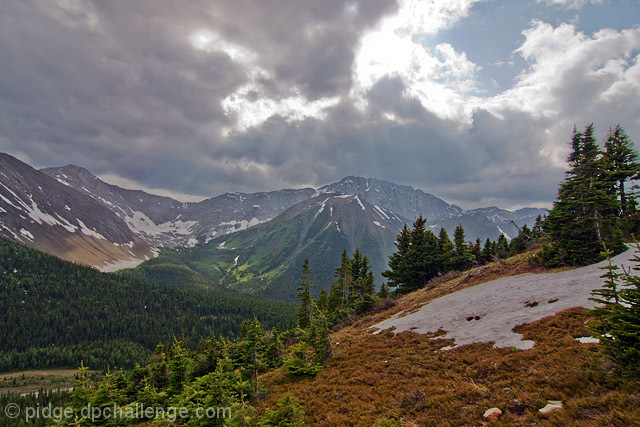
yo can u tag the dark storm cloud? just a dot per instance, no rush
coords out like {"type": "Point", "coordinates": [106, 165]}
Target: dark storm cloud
{"type": "Point", "coordinates": [424, 151]}
{"type": "Point", "coordinates": [306, 43]}
{"type": "Point", "coordinates": [118, 88]}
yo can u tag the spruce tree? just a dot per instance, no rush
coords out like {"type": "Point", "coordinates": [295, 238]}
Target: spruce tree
{"type": "Point", "coordinates": [304, 295]}
{"type": "Point", "coordinates": [341, 289]}
{"type": "Point", "coordinates": [622, 162]}
{"type": "Point", "coordinates": [463, 258]}
{"type": "Point", "coordinates": [489, 250]}
{"type": "Point", "coordinates": [446, 252]}
{"type": "Point", "coordinates": [423, 256]}
{"type": "Point", "coordinates": [398, 261]}
{"type": "Point", "coordinates": [254, 350]}
{"type": "Point", "coordinates": [583, 217]}
{"type": "Point", "coordinates": [618, 316]}
{"type": "Point", "coordinates": [502, 247]}
{"type": "Point", "coordinates": [417, 259]}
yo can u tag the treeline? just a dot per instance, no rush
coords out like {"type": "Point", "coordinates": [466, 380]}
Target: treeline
{"type": "Point", "coordinates": [56, 313]}
{"type": "Point", "coordinates": [423, 256]}
{"type": "Point", "coordinates": [219, 373]}
{"type": "Point", "coordinates": [596, 209]}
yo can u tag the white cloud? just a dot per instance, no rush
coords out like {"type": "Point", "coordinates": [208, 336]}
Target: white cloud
{"type": "Point", "coordinates": [438, 77]}
{"type": "Point", "coordinates": [574, 77]}
{"type": "Point", "coordinates": [250, 107]}
{"type": "Point", "coordinates": [211, 42]}
{"type": "Point", "coordinates": [569, 4]}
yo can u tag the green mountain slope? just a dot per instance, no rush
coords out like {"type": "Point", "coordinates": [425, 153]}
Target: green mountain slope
{"type": "Point", "coordinates": [266, 260]}
{"type": "Point", "coordinates": [56, 313]}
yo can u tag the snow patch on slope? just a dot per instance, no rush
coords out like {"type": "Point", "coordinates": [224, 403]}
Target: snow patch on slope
{"type": "Point", "coordinates": [243, 224]}
{"type": "Point", "coordinates": [503, 233]}
{"type": "Point", "coordinates": [141, 223]}
{"type": "Point", "coordinates": [88, 232]}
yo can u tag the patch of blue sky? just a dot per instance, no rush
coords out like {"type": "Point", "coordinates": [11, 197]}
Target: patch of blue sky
{"type": "Point", "coordinates": [492, 31]}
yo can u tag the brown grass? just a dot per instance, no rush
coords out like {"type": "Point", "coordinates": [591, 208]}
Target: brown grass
{"type": "Point", "coordinates": [375, 377]}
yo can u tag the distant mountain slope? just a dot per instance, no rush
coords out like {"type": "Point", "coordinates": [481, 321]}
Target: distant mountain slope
{"type": "Point", "coordinates": [489, 222]}
{"type": "Point", "coordinates": [56, 313]}
{"type": "Point", "coordinates": [165, 222]}
{"type": "Point", "coordinates": [266, 259]}
{"type": "Point", "coordinates": [401, 199]}
{"type": "Point", "coordinates": [40, 212]}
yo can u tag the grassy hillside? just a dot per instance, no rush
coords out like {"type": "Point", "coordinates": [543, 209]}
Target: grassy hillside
{"type": "Point", "coordinates": [56, 313]}
{"type": "Point", "coordinates": [266, 260]}
{"type": "Point", "coordinates": [407, 378]}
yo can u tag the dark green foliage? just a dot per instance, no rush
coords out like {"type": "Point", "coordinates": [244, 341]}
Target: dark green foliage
{"type": "Point", "coordinates": [314, 347]}
{"type": "Point", "coordinates": [591, 200]}
{"type": "Point", "coordinates": [304, 295]}
{"type": "Point", "coordinates": [288, 414]}
{"type": "Point", "coordinates": [399, 260]}
{"type": "Point", "coordinates": [421, 256]}
{"type": "Point", "coordinates": [384, 291]}
{"type": "Point", "coordinates": [622, 163]}
{"type": "Point", "coordinates": [56, 313]}
{"type": "Point", "coordinates": [217, 377]}
{"type": "Point", "coordinates": [463, 258]}
{"type": "Point", "coordinates": [618, 325]}
{"type": "Point", "coordinates": [353, 291]}
{"type": "Point", "coordinates": [417, 259]}
{"type": "Point", "coordinates": [446, 251]}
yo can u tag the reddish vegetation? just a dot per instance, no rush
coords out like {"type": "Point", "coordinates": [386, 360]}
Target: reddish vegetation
{"type": "Point", "coordinates": [407, 377]}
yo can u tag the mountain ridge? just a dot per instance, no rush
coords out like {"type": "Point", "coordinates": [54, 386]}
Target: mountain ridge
{"type": "Point", "coordinates": [265, 260]}
{"type": "Point", "coordinates": [39, 212]}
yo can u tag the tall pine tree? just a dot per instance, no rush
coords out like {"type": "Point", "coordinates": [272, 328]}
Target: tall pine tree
{"type": "Point", "coordinates": [583, 218]}
{"type": "Point", "coordinates": [304, 295]}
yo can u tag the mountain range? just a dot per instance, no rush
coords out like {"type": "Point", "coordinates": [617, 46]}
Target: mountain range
{"type": "Point", "coordinates": [253, 242]}
{"type": "Point", "coordinates": [42, 213]}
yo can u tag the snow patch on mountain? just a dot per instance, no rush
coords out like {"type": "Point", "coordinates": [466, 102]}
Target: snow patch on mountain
{"type": "Point", "coordinates": [488, 312]}
{"type": "Point", "coordinates": [380, 212]}
{"type": "Point", "coordinates": [242, 224]}
{"type": "Point", "coordinates": [67, 225]}
{"type": "Point", "coordinates": [88, 232]}
{"type": "Point", "coordinates": [26, 233]}
{"type": "Point", "coordinates": [503, 233]}
{"type": "Point", "coordinates": [141, 223]}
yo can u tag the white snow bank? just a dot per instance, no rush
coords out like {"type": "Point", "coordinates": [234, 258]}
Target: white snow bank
{"type": "Point", "coordinates": [489, 311]}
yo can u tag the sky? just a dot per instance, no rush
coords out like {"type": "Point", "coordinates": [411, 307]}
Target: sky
{"type": "Point", "coordinates": [473, 101]}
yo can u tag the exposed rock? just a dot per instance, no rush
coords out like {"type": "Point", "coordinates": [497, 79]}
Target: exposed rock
{"type": "Point", "coordinates": [551, 407]}
{"type": "Point", "coordinates": [492, 414]}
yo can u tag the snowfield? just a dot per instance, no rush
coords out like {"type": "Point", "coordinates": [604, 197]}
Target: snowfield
{"type": "Point", "coordinates": [488, 312]}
